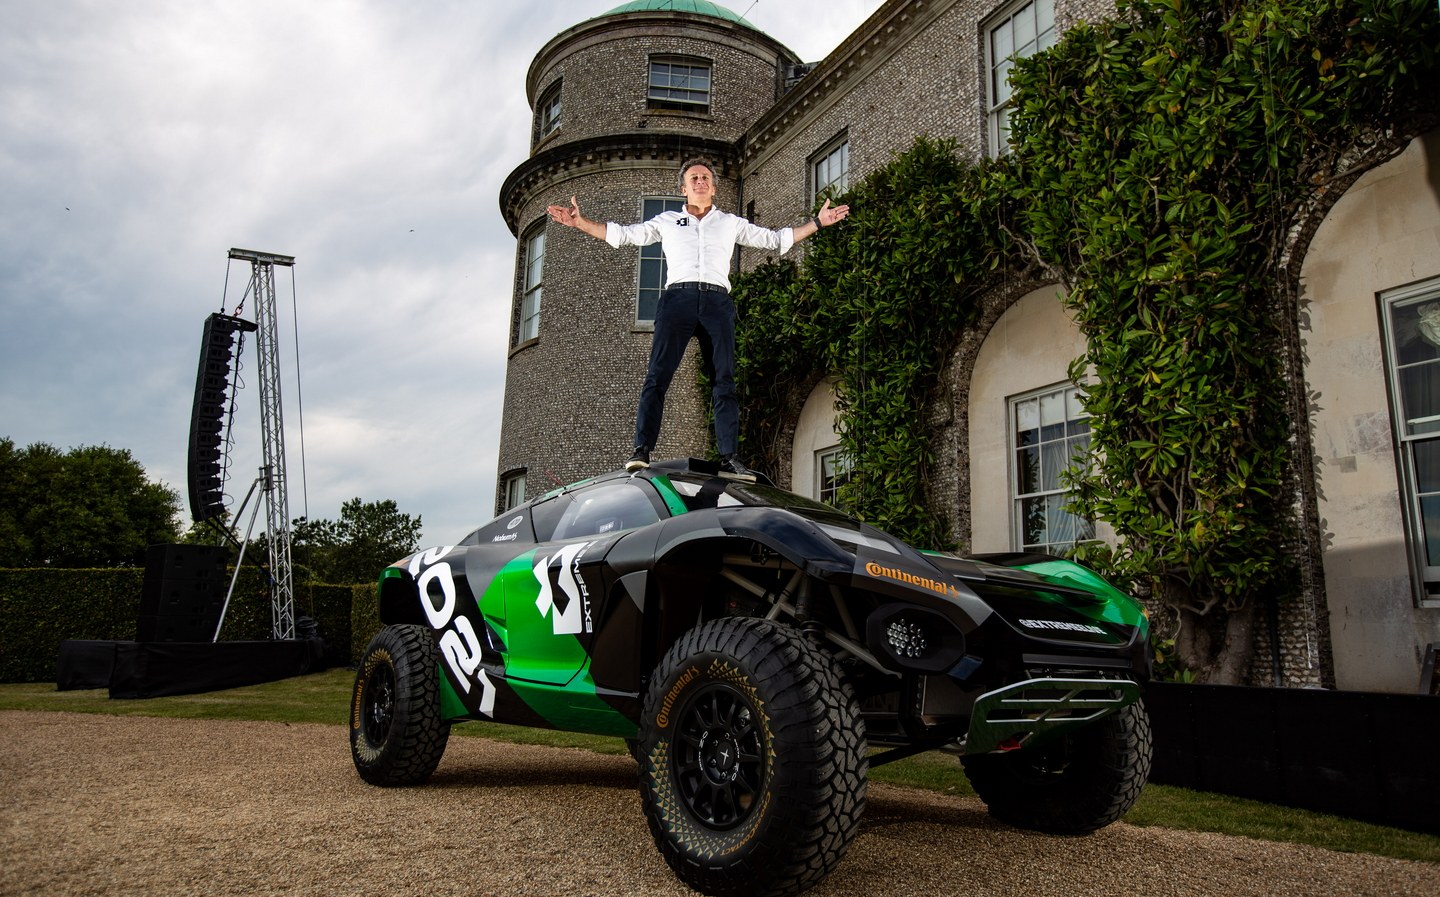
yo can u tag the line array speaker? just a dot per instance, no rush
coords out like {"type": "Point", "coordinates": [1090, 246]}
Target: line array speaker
{"type": "Point", "coordinates": [207, 417]}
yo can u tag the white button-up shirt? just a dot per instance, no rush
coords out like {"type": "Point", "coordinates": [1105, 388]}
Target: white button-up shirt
{"type": "Point", "coordinates": [699, 248]}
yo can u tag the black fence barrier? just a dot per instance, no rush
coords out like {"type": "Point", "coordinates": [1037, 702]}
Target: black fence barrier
{"type": "Point", "coordinates": [154, 669]}
{"type": "Point", "coordinates": [1362, 755]}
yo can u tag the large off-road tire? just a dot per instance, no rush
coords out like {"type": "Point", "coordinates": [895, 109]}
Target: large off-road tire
{"type": "Point", "coordinates": [1073, 785]}
{"type": "Point", "coordinates": [396, 733]}
{"type": "Point", "coordinates": [636, 749]}
{"type": "Point", "coordinates": [754, 763]}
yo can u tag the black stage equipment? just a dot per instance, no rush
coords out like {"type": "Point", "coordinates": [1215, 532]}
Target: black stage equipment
{"type": "Point", "coordinates": [182, 594]}
{"type": "Point", "coordinates": [207, 418]}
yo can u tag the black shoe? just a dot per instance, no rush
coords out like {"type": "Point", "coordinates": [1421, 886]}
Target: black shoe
{"type": "Point", "coordinates": [638, 461]}
{"type": "Point", "coordinates": [732, 465]}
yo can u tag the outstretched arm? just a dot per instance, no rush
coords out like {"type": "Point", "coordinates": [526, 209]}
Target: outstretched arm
{"type": "Point", "coordinates": [825, 218]}
{"type": "Point", "coordinates": [571, 217]}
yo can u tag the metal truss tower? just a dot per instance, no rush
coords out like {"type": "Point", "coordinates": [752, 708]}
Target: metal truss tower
{"type": "Point", "coordinates": [272, 425]}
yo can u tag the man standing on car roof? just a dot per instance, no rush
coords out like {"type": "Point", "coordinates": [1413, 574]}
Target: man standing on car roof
{"type": "Point", "coordinates": [698, 242]}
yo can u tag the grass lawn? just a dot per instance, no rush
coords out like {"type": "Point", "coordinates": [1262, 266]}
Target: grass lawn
{"type": "Point", "coordinates": [324, 698]}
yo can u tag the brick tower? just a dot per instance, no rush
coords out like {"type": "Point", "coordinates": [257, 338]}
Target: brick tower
{"type": "Point", "coordinates": [619, 102]}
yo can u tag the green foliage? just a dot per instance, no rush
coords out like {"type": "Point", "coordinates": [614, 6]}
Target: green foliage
{"type": "Point", "coordinates": [880, 303]}
{"type": "Point", "coordinates": [892, 292]}
{"type": "Point", "coordinates": [772, 337]}
{"type": "Point", "coordinates": [364, 618]}
{"type": "Point", "coordinates": [368, 537]}
{"type": "Point", "coordinates": [1169, 265]}
{"type": "Point", "coordinates": [89, 507]}
{"type": "Point", "coordinates": [1186, 140]}
{"type": "Point", "coordinates": [43, 607]}
{"type": "Point", "coordinates": [1167, 665]}
{"type": "Point", "coordinates": [1165, 163]}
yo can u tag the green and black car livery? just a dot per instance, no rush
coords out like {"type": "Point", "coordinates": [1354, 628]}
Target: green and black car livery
{"type": "Point", "coordinates": [760, 651]}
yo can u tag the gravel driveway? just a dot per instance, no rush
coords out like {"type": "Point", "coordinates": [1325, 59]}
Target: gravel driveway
{"type": "Point", "coordinates": [130, 805]}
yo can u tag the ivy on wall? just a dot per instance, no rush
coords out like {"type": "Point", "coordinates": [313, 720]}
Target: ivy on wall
{"type": "Point", "coordinates": [878, 303]}
{"type": "Point", "coordinates": [1169, 165]}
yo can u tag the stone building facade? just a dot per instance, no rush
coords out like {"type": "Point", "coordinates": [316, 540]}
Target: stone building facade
{"type": "Point", "coordinates": [933, 67]}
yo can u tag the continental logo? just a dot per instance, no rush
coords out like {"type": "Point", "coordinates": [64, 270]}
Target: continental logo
{"type": "Point", "coordinates": [662, 719]}
{"type": "Point", "coordinates": [910, 579]}
{"type": "Point", "coordinates": [728, 673]}
{"type": "Point", "coordinates": [374, 660]}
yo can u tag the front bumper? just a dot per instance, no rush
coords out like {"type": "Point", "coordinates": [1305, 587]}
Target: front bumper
{"type": "Point", "coordinates": [1012, 717]}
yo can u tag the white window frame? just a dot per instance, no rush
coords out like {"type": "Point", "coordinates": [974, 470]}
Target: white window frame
{"type": "Point", "coordinates": [652, 270]}
{"type": "Point", "coordinates": [512, 490]}
{"type": "Point", "coordinates": [547, 112]}
{"type": "Point", "coordinates": [672, 89]}
{"type": "Point", "coordinates": [1060, 531]}
{"type": "Point", "coordinates": [827, 488]}
{"type": "Point", "coordinates": [532, 289]}
{"type": "Point", "coordinates": [1415, 438]}
{"type": "Point", "coordinates": [1019, 30]}
{"type": "Point", "coordinates": [830, 167]}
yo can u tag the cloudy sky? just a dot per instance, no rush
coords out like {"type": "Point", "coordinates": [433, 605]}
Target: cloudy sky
{"type": "Point", "coordinates": [140, 141]}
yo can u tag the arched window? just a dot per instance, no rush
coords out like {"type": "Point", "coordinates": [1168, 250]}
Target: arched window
{"type": "Point", "coordinates": [533, 285]}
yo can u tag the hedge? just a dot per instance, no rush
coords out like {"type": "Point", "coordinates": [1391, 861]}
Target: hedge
{"type": "Point", "coordinates": [40, 608]}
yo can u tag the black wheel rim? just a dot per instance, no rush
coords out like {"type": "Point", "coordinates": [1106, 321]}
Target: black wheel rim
{"type": "Point", "coordinates": [719, 758]}
{"type": "Point", "coordinates": [378, 708]}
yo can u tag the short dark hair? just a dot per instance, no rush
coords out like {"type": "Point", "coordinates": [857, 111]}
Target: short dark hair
{"type": "Point", "coordinates": [691, 163]}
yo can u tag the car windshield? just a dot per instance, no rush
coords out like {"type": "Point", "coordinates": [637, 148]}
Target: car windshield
{"type": "Point", "coordinates": [710, 492]}
{"type": "Point", "coordinates": [769, 496]}
{"type": "Point", "coordinates": [610, 507]}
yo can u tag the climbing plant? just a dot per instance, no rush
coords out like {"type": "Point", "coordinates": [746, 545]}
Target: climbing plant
{"type": "Point", "coordinates": [1168, 166]}
{"type": "Point", "coordinates": [879, 305]}
{"type": "Point", "coordinates": [1166, 161]}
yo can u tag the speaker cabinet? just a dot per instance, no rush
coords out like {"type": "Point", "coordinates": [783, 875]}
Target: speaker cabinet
{"type": "Point", "coordinates": [182, 593]}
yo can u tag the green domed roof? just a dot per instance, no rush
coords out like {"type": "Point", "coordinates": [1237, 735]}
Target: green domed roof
{"type": "Point", "coordinates": [700, 7]}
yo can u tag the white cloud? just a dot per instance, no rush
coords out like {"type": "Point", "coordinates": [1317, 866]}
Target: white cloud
{"type": "Point", "coordinates": [143, 140]}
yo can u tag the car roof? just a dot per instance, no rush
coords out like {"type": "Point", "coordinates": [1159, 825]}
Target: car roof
{"type": "Point", "coordinates": [756, 491]}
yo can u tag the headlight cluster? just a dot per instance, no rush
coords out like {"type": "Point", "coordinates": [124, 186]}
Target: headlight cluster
{"type": "Point", "coordinates": [907, 639]}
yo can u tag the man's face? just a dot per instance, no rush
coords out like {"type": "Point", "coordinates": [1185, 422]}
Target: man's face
{"type": "Point", "coordinates": [699, 185]}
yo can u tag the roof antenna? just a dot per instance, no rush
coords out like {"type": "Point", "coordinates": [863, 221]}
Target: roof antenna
{"type": "Point", "coordinates": [747, 11]}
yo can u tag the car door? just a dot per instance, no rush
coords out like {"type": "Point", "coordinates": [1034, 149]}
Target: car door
{"type": "Point", "coordinates": [551, 613]}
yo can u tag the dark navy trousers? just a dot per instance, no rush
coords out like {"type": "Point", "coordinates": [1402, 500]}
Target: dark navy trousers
{"type": "Point", "coordinates": [709, 315]}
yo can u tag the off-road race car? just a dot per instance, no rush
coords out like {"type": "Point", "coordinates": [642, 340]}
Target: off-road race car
{"type": "Point", "coordinates": [759, 651]}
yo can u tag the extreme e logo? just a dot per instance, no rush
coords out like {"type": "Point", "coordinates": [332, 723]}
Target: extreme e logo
{"type": "Point", "coordinates": [569, 607]}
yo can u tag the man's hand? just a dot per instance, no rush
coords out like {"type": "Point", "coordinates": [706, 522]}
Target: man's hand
{"type": "Point", "coordinates": [824, 218]}
{"type": "Point", "coordinates": [828, 216]}
{"type": "Point", "coordinates": [570, 217]}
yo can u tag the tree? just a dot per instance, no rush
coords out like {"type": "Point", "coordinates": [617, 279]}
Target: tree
{"type": "Point", "coordinates": [90, 507]}
{"type": "Point", "coordinates": [14, 543]}
{"type": "Point", "coordinates": [368, 537]}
